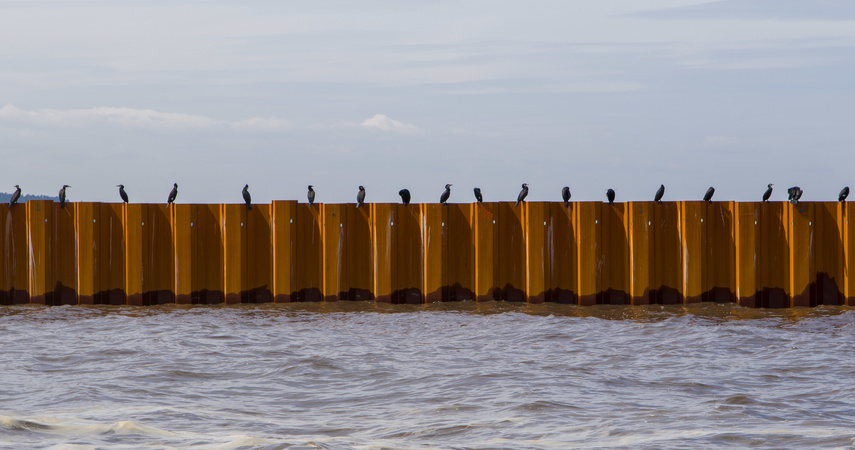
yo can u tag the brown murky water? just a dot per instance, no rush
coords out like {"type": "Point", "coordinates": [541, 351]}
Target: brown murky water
{"type": "Point", "coordinates": [464, 375]}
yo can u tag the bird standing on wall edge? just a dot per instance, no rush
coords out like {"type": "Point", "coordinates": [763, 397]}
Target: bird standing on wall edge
{"type": "Point", "coordinates": [478, 195]}
{"type": "Point", "coordinates": [709, 194]}
{"type": "Point", "coordinates": [360, 197]}
{"type": "Point", "coordinates": [565, 194]}
{"type": "Point", "coordinates": [523, 194]}
{"type": "Point", "coordinates": [122, 192]}
{"type": "Point", "coordinates": [15, 196]}
{"type": "Point", "coordinates": [610, 194]}
{"type": "Point", "coordinates": [62, 195]}
{"type": "Point", "coordinates": [311, 195]}
{"type": "Point", "coordinates": [246, 197]}
{"type": "Point", "coordinates": [659, 193]}
{"type": "Point", "coordinates": [445, 194]}
{"type": "Point", "coordinates": [843, 194]}
{"type": "Point", "coordinates": [405, 196]}
{"type": "Point", "coordinates": [768, 192]}
{"type": "Point", "coordinates": [172, 194]}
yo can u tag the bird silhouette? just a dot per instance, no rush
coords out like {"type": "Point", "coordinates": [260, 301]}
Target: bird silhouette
{"type": "Point", "coordinates": [360, 197]}
{"type": "Point", "coordinates": [172, 195]}
{"type": "Point", "coordinates": [659, 193]}
{"type": "Point", "coordinates": [246, 197]}
{"type": "Point", "coordinates": [768, 192]}
{"type": "Point", "coordinates": [122, 192]}
{"type": "Point", "coordinates": [478, 195]}
{"type": "Point", "coordinates": [62, 195]}
{"type": "Point", "coordinates": [405, 196]}
{"type": "Point", "coordinates": [445, 194]}
{"type": "Point", "coordinates": [523, 194]}
{"type": "Point", "coordinates": [15, 196]}
{"type": "Point", "coordinates": [843, 194]}
{"type": "Point", "coordinates": [610, 194]}
{"type": "Point", "coordinates": [311, 195]}
{"type": "Point", "coordinates": [709, 194]}
{"type": "Point", "coordinates": [565, 194]}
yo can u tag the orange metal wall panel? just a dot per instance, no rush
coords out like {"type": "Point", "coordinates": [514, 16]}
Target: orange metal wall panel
{"type": "Point", "coordinates": [108, 251]}
{"type": "Point", "coordinates": [590, 247]}
{"type": "Point", "coordinates": [208, 253]}
{"type": "Point", "coordinates": [358, 279]}
{"type": "Point", "coordinates": [258, 256]}
{"type": "Point", "coordinates": [536, 224]}
{"type": "Point", "coordinates": [86, 217]}
{"type": "Point", "coordinates": [485, 234]}
{"type": "Point", "coordinates": [408, 256]}
{"type": "Point", "coordinates": [641, 245]}
{"type": "Point", "coordinates": [511, 273]}
{"type": "Point", "coordinates": [307, 279]}
{"type": "Point", "coordinates": [334, 249]}
{"type": "Point", "coordinates": [459, 278]}
{"type": "Point", "coordinates": [234, 229]}
{"type": "Point", "coordinates": [39, 224]}
{"type": "Point", "coordinates": [744, 241]}
{"type": "Point", "coordinates": [720, 260]}
{"type": "Point", "coordinates": [667, 286]}
{"type": "Point", "coordinates": [615, 255]}
{"type": "Point", "coordinates": [135, 230]}
{"type": "Point", "coordinates": [184, 217]}
{"type": "Point", "coordinates": [434, 237]}
{"type": "Point", "coordinates": [283, 228]}
{"type": "Point", "coordinates": [828, 253]}
{"type": "Point", "coordinates": [848, 213]}
{"type": "Point", "coordinates": [158, 256]}
{"type": "Point", "coordinates": [383, 230]}
{"type": "Point", "coordinates": [62, 287]}
{"type": "Point", "coordinates": [693, 229]}
{"type": "Point", "coordinates": [561, 254]}
{"type": "Point", "coordinates": [799, 220]}
{"type": "Point", "coordinates": [772, 254]}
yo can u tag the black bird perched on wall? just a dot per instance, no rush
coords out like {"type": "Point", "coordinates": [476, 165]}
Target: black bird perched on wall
{"type": "Point", "coordinates": [659, 193]}
{"type": "Point", "coordinates": [843, 194]}
{"type": "Point", "coordinates": [246, 197]}
{"type": "Point", "coordinates": [62, 195]}
{"type": "Point", "coordinates": [709, 194]}
{"type": "Point", "coordinates": [768, 192]}
{"type": "Point", "coordinates": [311, 195]}
{"type": "Point", "coordinates": [610, 194]}
{"type": "Point", "coordinates": [405, 196]}
{"type": "Point", "coordinates": [798, 196]}
{"type": "Point", "coordinates": [565, 194]}
{"type": "Point", "coordinates": [122, 192]}
{"type": "Point", "coordinates": [523, 194]}
{"type": "Point", "coordinates": [15, 196]}
{"type": "Point", "coordinates": [791, 193]}
{"type": "Point", "coordinates": [172, 195]}
{"type": "Point", "coordinates": [360, 197]}
{"type": "Point", "coordinates": [478, 195]}
{"type": "Point", "coordinates": [447, 193]}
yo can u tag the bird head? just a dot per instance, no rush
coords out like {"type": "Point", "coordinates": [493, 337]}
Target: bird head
{"type": "Point", "coordinates": [770, 185]}
{"type": "Point", "coordinates": [65, 186]}
{"type": "Point", "coordinates": [361, 188]}
{"type": "Point", "coordinates": [175, 184]}
{"type": "Point", "coordinates": [310, 187]}
{"type": "Point", "coordinates": [120, 186]}
{"type": "Point", "coordinates": [525, 185]}
{"type": "Point", "coordinates": [246, 186]}
{"type": "Point", "coordinates": [448, 186]}
{"type": "Point", "coordinates": [17, 187]}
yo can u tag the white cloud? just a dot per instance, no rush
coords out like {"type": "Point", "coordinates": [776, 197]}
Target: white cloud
{"type": "Point", "coordinates": [386, 123]}
{"type": "Point", "coordinates": [262, 124]}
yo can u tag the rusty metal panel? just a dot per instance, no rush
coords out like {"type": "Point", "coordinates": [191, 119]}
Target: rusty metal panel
{"type": "Point", "coordinates": [135, 230]}
{"type": "Point", "coordinates": [307, 279]}
{"type": "Point", "coordinates": [256, 285]}
{"type": "Point", "coordinates": [62, 289]}
{"type": "Point", "coordinates": [88, 262]}
{"type": "Point", "coordinates": [799, 226]}
{"type": "Point", "coordinates": [158, 256]}
{"type": "Point", "coordinates": [511, 273]}
{"type": "Point", "coordinates": [334, 250]}
{"type": "Point", "coordinates": [693, 229]}
{"type": "Point", "coordinates": [283, 226]}
{"type": "Point", "coordinates": [385, 215]}
{"type": "Point", "coordinates": [434, 233]}
{"type": "Point", "coordinates": [744, 241]}
{"type": "Point", "coordinates": [408, 260]}
{"type": "Point", "coordinates": [535, 227]}
{"type": "Point", "coordinates": [485, 234]}
{"type": "Point", "coordinates": [772, 254]}
{"type": "Point", "coordinates": [39, 224]}
{"type": "Point", "coordinates": [667, 287]}
{"type": "Point", "coordinates": [828, 254]}
{"type": "Point", "coordinates": [183, 224]}
{"type": "Point", "coordinates": [358, 271]}
{"type": "Point", "coordinates": [234, 231]}
{"type": "Point", "coordinates": [110, 261]}
{"type": "Point", "coordinates": [848, 225]}
{"type": "Point", "coordinates": [561, 254]}
{"type": "Point", "coordinates": [207, 283]}
{"type": "Point", "coordinates": [615, 255]}
{"type": "Point", "coordinates": [720, 261]}
{"type": "Point", "coordinates": [590, 247]}
{"type": "Point", "coordinates": [459, 279]}
{"type": "Point", "coordinates": [641, 246]}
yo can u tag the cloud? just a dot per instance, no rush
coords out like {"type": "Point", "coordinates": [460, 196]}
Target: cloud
{"type": "Point", "coordinates": [146, 119]}
{"type": "Point", "coordinates": [386, 123]}
{"type": "Point", "coordinates": [838, 10]}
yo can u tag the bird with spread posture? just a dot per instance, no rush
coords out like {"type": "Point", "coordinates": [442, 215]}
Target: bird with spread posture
{"type": "Point", "coordinates": [792, 193]}
{"type": "Point", "coordinates": [122, 192]}
{"type": "Point", "coordinates": [843, 194]}
{"type": "Point", "coordinates": [478, 195]}
{"type": "Point", "coordinates": [659, 193]}
{"type": "Point", "coordinates": [62, 195]}
{"type": "Point", "coordinates": [360, 197]}
{"type": "Point", "coordinates": [447, 193]}
{"type": "Point", "coordinates": [246, 197]}
{"type": "Point", "coordinates": [523, 194]}
{"type": "Point", "coordinates": [768, 192]}
{"type": "Point", "coordinates": [172, 195]}
{"type": "Point", "coordinates": [610, 194]}
{"type": "Point", "coordinates": [405, 196]}
{"type": "Point", "coordinates": [311, 195]}
{"type": "Point", "coordinates": [565, 194]}
{"type": "Point", "coordinates": [709, 194]}
{"type": "Point", "coordinates": [15, 196]}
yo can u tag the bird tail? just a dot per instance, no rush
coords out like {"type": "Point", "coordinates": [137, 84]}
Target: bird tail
{"type": "Point", "coordinates": [249, 206]}
{"type": "Point", "coordinates": [566, 203]}
{"type": "Point", "coordinates": [517, 203]}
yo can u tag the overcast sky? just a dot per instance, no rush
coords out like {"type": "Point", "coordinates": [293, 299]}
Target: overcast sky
{"type": "Point", "coordinates": [389, 94]}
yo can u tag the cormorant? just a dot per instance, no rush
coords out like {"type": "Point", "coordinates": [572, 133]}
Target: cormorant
{"type": "Point", "coordinates": [478, 195]}
{"type": "Point", "coordinates": [659, 193]}
{"type": "Point", "coordinates": [122, 192]}
{"type": "Point", "coordinates": [62, 195]}
{"type": "Point", "coordinates": [311, 195]}
{"type": "Point", "coordinates": [768, 192]}
{"type": "Point", "coordinates": [610, 194]}
{"type": "Point", "coordinates": [405, 196]}
{"type": "Point", "coordinates": [709, 194]}
{"type": "Point", "coordinates": [798, 196]}
{"type": "Point", "coordinates": [360, 197]}
{"type": "Point", "coordinates": [523, 194]}
{"type": "Point", "coordinates": [791, 194]}
{"type": "Point", "coordinates": [565, 194]}
{"type": "Point", "coordinates": [447, 193]}
{"type": "Point", "coordinates": [172, 195]}
{"type": "Point", "coordinates": [843, 194]}
{"type": "Point", "coordinates": [15, 196]}
{"type": "Point", "coordinates": [246, 197]}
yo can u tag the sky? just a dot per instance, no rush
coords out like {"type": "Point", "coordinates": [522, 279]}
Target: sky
{"type": "Point", "coordinates": [623, 94]}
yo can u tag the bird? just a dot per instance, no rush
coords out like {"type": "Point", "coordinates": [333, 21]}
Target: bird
{"type": "Point", "coordinates": [15, 196]}
{"type": "Point", "coordinates": [709, 194]}
{"type": "Point", "coordinates": [311, 195]}
{"type": "Point", "coordinates": [798, 196]}
{"type": "Point", "coordinates": [610, 194]}
{"type": "Point", "coordinates": [791, 194]}
{"type": "Point", "coordinates": [172, 195]}
{"type": "Point", "coordinates": [122, 192]}
{"type": "Point", "coordinates": [523, 194]}
{"type": "Point", "coordinates": [565, 194]}
{"type": "Point", "coordinates": [360, 197]}
{"type": "Point", "coordinates": [478, 195]}
{"type": "Point", "coordinates": [405, 196]}
{"type": "Point", "coordinates": [768, 192]}
{"type": "Point", "coordinates": [843, 194]}
{"type": "Point", "coordinates": [246, 197]}
{"type": "Point", "coordinates": [447, 193]}
{"type": "Point", "coordinates": [62, 195]}
{"type": "Point", "coordinates": [659, 193]}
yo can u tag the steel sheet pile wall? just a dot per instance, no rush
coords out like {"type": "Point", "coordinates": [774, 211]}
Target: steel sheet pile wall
{"type": "Point", "coordinates": [757, 254]}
